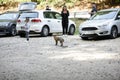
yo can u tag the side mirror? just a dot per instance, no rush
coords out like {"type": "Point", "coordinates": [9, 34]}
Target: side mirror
{"type": "Point", "coordinates": [118, 17]}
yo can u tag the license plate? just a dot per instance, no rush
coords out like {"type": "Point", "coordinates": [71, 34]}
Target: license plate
{"type": "Point", "coordinates": [88, 32]}
{"type": "Point", "coordinates": [23, 28]}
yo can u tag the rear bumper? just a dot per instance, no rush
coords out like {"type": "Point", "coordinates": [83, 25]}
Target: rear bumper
{"type": "Point", "coordinates": [30, 32]}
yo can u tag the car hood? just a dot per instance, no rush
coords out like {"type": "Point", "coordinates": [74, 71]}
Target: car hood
{"type": "Point", "coordinates": [92, 23]}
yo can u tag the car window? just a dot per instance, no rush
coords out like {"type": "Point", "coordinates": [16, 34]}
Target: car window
{"type": "Point", "coordinates": [9, 16]}
{"type": "Point", "coordinates": [48, 15]}
{"type": "Point", "coordinates": [104, 15]}
{"type": "Point", "coordinates": [57, 16]}
{"type": "Point", "coordinates": [29, 14]}
{"type": "Point", "coordinates": [118, 16]}
{"type": "Point", "coordinates": [27, 6]}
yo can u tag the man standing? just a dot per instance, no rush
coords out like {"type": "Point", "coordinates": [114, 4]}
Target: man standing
{"type": "Point", "coordinates": [47, 8]}
{"type": "Point", "coordinates": [94, 9]}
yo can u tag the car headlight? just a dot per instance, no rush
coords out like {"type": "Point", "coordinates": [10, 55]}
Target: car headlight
{"type": "Point", "coordinates": [6, 24]}
{"type": "Point", "coordinates": [103, 26]}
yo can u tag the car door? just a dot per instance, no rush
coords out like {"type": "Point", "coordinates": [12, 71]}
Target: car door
{"type": "Point", "coordinates": [58, 23]}
{"type": "Point", "coordinates": [50, 20]}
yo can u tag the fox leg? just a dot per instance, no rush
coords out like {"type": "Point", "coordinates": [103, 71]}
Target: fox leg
{"type": "Point", "coordinates": [56, 42]}
{"type": "Point", "coordinates": [61, 43]}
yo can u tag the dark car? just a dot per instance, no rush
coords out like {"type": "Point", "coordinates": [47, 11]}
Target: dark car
{"type": "Point", "coordinates": [8, 22]}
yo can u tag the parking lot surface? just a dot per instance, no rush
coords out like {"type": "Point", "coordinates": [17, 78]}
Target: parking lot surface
{"type": "Point", "coordinates": [40, 59]}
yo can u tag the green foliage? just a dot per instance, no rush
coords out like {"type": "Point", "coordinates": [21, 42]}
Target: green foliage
{"type": "Point", "coordinates": [117, 0]}
{"type": "Point", "coordinates": [3, 1]}
{"type": "Point", "coordinates": [59, 3]}
{"type": "Point", "coordinates": [21, 0]}
{"type": "Point", "coordinates": [41, 5]}
{"type": "Point", "coordinates": [77, 22]}
{"type": "Point", "coordinates": [70, 5]}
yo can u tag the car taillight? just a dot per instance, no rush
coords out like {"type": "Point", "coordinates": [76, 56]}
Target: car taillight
{"type": "Point", "coordinates": [35, 20]}
{"type": "Point", "coordinates": [19, 21]}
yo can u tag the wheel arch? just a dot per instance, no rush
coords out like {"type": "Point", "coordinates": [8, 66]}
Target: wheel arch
{"type": "Point", "coordinates": [115, 27]}
{"type": "Point", "coordinates": [12, 24]}
{"type": "Point", "coordinates": [69, 30]}
{"type": "Point", "coordinates": [113, 34]}
{"type": "Point", "coordinates": [71, 25]}
{"type": "Point", "coordinates": [47, 27]}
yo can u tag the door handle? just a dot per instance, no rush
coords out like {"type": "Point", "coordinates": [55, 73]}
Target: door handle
{"type": "Point", "coordinates": [49, 21]}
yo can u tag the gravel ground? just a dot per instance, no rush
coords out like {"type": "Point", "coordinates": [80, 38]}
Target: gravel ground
{"type": "Point", "coordinates": [40, 59]}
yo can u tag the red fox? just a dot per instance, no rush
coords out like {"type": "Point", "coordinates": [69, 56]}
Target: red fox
{"type": "Point", "coordinates": [60, 39]}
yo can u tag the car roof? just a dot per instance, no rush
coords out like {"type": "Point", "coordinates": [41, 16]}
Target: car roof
{"type": "Point", "coordinates": [111, 9]}
{"type": "Point", "coordinates": [10, 12]}
{"type": "Point", "coordinates": [39, 11]}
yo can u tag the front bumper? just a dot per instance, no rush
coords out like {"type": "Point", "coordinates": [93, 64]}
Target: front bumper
{"type": "Point", "coordinates": [4, 30]}
{"type": "Point", "coordinates": [30, 32]}
{"type": "Point", "coordinates": [93, 33]}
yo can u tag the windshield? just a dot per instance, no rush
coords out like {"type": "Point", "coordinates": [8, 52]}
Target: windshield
{"type": "Point", "coordinates": [29, 14]}
{"type": "Point", "coordinates": [104, 15]}
{"type": "Point", "coordinates": [9, 16]}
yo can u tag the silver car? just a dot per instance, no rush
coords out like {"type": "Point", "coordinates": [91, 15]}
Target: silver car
{"type": "Point", "coordinates": [104, 23]}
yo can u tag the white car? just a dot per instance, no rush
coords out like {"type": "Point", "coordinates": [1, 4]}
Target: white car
{"type": "Point", "coordinates": [104, 23]}
{"type": "Point", "coordinates": [42, 22]}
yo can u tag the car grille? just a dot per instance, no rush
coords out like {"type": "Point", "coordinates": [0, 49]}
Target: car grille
{"type": "Point", "coordinates": [1, 30]}
{"type": "Point", "coordinates": [89, 28]}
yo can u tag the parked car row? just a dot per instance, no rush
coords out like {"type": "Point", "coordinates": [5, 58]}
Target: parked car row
{"type": "Point", "coordinates": [44, 22]}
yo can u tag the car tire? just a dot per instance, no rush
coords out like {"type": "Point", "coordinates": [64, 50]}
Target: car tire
{"type": "Point", "coordinates": [45, 31]}
{"type": "Point", "coordinates": [72, 30]}
{"type": "Point", "coordinates": [84, 38]}
{"type": "Point", "coordinates": [13, 31]}
{"type": "Point", "coordinates": [114, 33]}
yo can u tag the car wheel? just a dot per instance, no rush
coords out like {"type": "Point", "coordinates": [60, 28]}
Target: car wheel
{"type": "Point", "coordinates": [72, 30]}
{"type": "Point", "coordinates": [114, 33]}
{"type": "Point", "coordinates": [13, 31]}
{"type": "Point", "coordinates": [45, 31]}
{"type": "Point", "coordinates": [84, 38]}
